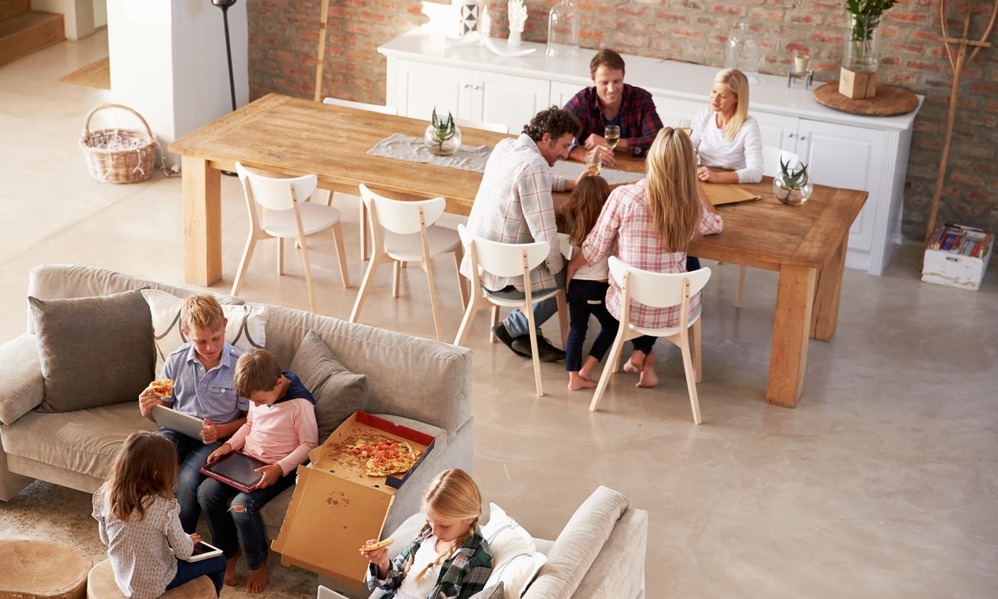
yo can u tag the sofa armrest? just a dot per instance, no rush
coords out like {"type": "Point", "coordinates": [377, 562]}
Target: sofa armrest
{"type": "Point", "coordinates": [21, 383]}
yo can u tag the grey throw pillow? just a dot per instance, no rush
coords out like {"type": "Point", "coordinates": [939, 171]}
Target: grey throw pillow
{"type": "Point", "coordinates": [338, 392]}
{"type": "Point", "coordinates": [94, 351]}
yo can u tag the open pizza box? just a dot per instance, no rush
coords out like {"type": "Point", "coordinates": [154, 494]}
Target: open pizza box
{"type": "Point", "coordinates": [336, 507]}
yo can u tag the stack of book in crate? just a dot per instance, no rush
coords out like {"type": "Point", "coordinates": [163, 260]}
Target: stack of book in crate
{"type": "Point", "coordinates": [958, 256]}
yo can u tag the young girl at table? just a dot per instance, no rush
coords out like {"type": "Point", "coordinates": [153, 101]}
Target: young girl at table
{"type": "Point", "coordinates": [280, 430]}
{"type": "Point", "coordinates": [648, 225]}
{"type": "Point", "coordinates": [448, 558]}
{"type": "Point", "coordinates": [587, 292]}
{"type": "Point", "coordinates": [139, 520]}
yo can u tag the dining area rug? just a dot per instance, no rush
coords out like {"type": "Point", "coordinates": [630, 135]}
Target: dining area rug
{"type": "Point", "coordinates": [96, 74]}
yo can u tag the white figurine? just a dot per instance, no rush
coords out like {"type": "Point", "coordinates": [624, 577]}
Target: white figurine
{"type": "Point", "coordinates": [517, 15]}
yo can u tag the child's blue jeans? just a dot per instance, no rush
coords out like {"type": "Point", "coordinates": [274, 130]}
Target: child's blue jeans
{"type": "Point", "coordinates": [193, 454]}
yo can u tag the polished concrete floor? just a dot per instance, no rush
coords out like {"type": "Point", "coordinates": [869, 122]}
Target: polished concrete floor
{"type": "Point", "coordinates": [881, 483]}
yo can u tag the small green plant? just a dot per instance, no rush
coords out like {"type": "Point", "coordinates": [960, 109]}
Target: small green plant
{"type": "Point", "coordinates": [794, 178]}
{"type": "Point", "coordinates": [442, 130]}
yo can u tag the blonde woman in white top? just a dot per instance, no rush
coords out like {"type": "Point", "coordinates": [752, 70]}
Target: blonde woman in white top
{"type": "Point", "coordinates": [725, 137]}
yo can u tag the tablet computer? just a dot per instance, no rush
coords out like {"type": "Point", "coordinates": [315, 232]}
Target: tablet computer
{"type": "Point", "coordinates": [328, 593]}
{"type": "Point", "coordinates": [237, 470]}
{"type": "Point", "coordinates": [178, 421]}
{"type": "Point", "coordinates": [202, 551]}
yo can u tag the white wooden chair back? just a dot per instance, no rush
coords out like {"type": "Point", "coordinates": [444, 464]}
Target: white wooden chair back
{"type": "Point", "coordinates": [402, 216]}
{"type": "Point", "coordinates": [656, 289]}
{"type": "Point", "coordinates": [484, 126]}
{"type": "Point", "coordinates": [771, 158]}
{"type": "Point", "coordinates": [276, 193]}
{"type": "Point", "coordinates": [508, 259]}
{"type": "Point", "coordinates": [390, 110]}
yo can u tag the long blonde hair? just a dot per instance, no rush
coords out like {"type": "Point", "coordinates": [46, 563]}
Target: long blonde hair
{"type": "Point", "coordinates": [451, 496]}
{"type": "Point", "coordinates": [739, 85]}
{"type": "Point", "coordinates": [586, 204]}
{"type": "Point", "coordinates": [145, 466]}
{"type": "Point", "coordinates": [671, 189]}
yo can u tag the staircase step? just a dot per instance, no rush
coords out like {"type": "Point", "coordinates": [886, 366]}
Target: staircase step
{"type": "Point", "coordinates": [26, 33]}
{"type": "Point", "coordinates": [13, 8]}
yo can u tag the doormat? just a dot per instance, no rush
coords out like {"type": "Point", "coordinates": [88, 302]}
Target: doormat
{"type": "Point", "coordinates": [96, 74]}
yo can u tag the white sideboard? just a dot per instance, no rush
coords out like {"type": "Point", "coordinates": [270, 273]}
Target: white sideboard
{"type": "Point", "coordinates": [426, 71]}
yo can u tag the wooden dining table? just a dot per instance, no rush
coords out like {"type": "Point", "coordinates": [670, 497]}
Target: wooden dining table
{"type": "Point", "coordinates": [805, 244]}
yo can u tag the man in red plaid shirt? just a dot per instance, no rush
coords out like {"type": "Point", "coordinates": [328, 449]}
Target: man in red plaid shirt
{"type": "Point", "coordinates": [610, 101]}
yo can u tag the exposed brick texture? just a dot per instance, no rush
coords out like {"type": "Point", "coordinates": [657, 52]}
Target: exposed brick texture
{"type": "Point", "coordinates": [284, 35]}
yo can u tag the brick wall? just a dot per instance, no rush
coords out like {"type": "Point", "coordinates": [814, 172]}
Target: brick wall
{"type": "Point", "coordinates": [284, 36]}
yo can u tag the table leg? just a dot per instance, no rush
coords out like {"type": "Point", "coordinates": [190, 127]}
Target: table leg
{"type": "Point", "coordinates": [825, 316]}
{"type": "Point", "coordinates": [202, 199]}
{"type": "Point", "coordinates": [788, 356]}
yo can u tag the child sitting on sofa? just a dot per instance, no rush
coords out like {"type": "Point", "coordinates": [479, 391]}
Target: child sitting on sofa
{"type": "Point", "coordinates": [280, 430]}
{"type": "Point", "coordinates": [201, 371]}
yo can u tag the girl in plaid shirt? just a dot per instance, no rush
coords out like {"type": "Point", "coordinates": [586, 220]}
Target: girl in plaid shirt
{"type": "Point", "coordinates": [648, 225]}
{"type": "Point", "coordinates": [449, 558]}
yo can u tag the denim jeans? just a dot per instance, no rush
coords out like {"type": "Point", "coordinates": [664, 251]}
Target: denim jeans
{"type": "Point", "coordinates": [228, 525]}
{"type": "Point", "coordinates": [213, 568]}
{"type": "Point", "coordinates": [193, 455]}
{"type": "Point", "coordinates": [587, 298]}
{"type": "Point", "coordinates": [516, 323]}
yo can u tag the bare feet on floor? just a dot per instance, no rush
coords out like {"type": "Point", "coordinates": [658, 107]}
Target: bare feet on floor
{"type": "Point", "coordinates": [576, 382]}
{"type": "Point", "coordinates": [230, 568]}
{"type": "Point", "coordinates": [647, 378]}
{"type": "Point", "coordinates": [256, 582]}
{"type": "Point", "coordinates": [636, 363]}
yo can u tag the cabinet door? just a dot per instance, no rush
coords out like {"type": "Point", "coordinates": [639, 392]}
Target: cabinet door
{"type": "Point", "coordinates": [850, 157]}
{"type": "Point", "coordinates": [508, 99]}
{"type": "Point", "coordinates": [562, 92]}
{"type": "Point", "coordinates": [778, 131]}
{"type": "Point", "coordinates": [423, 87]}
{"type": "Point", "coordinates": [673, 111]}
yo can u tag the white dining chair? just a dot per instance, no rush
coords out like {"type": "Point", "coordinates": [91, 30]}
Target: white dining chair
{"type": "Point", "coordinates": [508, 260]}
{"type": "Point", "coordinates": [404, 231]}
{"type": "Point", "coordinates": [390, 110]}
{"type": "Point", "coordinates": [658, 290]}
{"type": "Point", "coordinates": [483, 125]}
{"type": "Point", "coordinates": [278, 209]}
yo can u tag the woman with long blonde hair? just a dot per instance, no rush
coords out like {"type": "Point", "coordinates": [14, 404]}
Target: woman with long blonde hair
{"type": "Point", "coordinates": [449, 557]}
{"type": "Point", "coordinates": [649, 225]}
{"type": "Point", "coordinates": [725, 136]}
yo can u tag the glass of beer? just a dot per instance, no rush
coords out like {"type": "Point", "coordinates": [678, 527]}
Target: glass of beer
{"type": "Point", "coordinates": [594, 162]}
{"type": "Point", "coordinates": [612, 135]}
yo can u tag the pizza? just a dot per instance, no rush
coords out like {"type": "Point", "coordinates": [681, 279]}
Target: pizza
{"type": "Point", "coordinates": [383, 456]}
{"type": "Point", "coordinates": [377, 545]}
{"type": "Point", "coordinates": [162, 387]}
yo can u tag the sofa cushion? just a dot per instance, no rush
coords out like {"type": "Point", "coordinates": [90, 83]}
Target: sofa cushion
{"type": "Point", "coordinates": [83, 441]}
{"type": "Point", "coordinates": [493, 591]}
{"type": "Point", "coordinates": [338, 392]}
{"type": "Point", "coordinates": [246, 327]}
{"type": "Point", "coordinates": [94, 351]}
{"type": "Point", "coordinates": [577, 546]}
{"type": "Point", "coordinates": [515, 559]}
{"type": "Point", "coordinates": [20, 378]}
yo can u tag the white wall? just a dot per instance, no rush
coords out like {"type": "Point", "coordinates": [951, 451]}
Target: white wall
{"type": "Point", "coordinates": [168, 62]}
{"type": "Point", "coordinates": [78, 15]}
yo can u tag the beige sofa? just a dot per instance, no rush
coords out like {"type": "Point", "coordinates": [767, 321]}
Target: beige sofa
{"type": "Point", "coordinates": [76, 448]}
{"type": "Point", "coordinates": [599, 553]}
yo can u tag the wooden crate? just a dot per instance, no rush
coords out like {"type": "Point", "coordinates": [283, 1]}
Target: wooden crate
{"type": "Point", "coordinates": [857, 85]}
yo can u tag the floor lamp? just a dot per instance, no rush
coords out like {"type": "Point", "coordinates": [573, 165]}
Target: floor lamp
{"type": "Point", "coordinates": [224, 5]}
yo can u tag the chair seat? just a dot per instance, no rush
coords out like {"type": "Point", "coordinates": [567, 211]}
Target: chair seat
{"type": "Point", "coordinates": [516, 302]}
{"type": "Point", "coordinates": [314, 217]}
{"type": "Point", "coordinates": [667, 331]}
{"type": "Point", "coordinates": [409, 248]}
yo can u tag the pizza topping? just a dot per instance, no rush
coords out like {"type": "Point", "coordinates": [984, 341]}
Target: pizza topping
{"type": "Point", "coordinates": [162, 387]}
{"type": "Point", "coordinates": [383, 456]}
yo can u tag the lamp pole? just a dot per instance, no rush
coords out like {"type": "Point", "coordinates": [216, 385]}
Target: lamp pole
{"type": "Point", "coordinates": [224, 5]}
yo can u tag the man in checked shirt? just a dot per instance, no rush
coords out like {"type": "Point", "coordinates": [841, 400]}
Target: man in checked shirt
{"type": "Point", "coordinates": [514, 205]}
{"type": "Point", "coordinates": [610, 101]}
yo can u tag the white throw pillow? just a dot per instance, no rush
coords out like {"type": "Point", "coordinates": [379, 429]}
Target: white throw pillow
{"type": "Point", "coordinates": [246, 327]}
{"type": "Point", "coordinates": [515, 559]}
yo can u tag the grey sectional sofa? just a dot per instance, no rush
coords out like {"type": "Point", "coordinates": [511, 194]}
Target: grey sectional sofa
{"type": "Point", "coordinates": [75, 448]}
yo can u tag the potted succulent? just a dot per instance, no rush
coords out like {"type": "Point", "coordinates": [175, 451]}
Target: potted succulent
{"type": "Point", "coordinates": [442, 137]}
{"type": "Point", "coordinates": [861, 56]}
{"type": "Point", "coordinates": [792, 186]}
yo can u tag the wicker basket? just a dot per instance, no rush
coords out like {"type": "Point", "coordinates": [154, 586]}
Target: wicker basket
{"type": "Point", "coordinates": [119, 155]}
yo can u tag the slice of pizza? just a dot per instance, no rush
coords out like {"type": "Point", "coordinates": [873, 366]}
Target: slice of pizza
{"type": "Point", "coordinates": [377, 545]}
{"type": "Point", "coordinates": [162, 387]}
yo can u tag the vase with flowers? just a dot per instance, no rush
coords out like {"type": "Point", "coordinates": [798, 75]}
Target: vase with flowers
{"type": "Point", "coordinates": [861, 56]}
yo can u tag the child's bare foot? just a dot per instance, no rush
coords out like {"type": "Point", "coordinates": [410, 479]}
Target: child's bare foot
{"type": "Point", "coordinates": [577, 382]}
{"type": "Point", "coordinates": [586, 372]}
{"type": "Point", "coordinates": [230, 568]}
{"type": "Point", "coordinates": [256, 582]}
{"type": "Point", "coordinates": [648, 378]}
{"type": "Point", "coordinates": [636, 363]}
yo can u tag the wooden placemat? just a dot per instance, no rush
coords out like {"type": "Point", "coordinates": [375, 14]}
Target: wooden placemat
{"type": "Point", "coordinates": [889, 100]}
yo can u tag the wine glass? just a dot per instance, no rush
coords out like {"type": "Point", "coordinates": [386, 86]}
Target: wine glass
{"type": "Point", "coordinates": [612, 135]}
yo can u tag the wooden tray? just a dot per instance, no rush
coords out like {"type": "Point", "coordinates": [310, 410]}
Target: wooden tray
{"type": "Point", "coordinates": [889, 101]}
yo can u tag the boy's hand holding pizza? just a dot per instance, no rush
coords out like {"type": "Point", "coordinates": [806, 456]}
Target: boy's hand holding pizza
{"type": "Point", "coordinates": [154, 395]}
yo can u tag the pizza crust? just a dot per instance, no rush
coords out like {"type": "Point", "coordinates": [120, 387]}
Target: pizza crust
{"type": "Point", "coordinates": [162, 387]}
{"type": "Point", "coordinates": [378, 545]}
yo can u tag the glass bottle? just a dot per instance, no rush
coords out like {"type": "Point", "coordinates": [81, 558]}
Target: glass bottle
{"type": "Point", "coordinates": [563, 30]}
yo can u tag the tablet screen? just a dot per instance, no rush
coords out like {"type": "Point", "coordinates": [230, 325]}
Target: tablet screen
{"type": "Point", "coordinates": [238, 468]}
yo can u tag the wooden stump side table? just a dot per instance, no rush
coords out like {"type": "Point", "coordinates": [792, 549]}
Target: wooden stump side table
{"type": "Point", "coordinates": [31, 569]}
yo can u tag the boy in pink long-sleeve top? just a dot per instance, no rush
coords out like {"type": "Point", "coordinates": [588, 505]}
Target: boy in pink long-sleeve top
{"type": "Point", "coordinates": [280, 430]}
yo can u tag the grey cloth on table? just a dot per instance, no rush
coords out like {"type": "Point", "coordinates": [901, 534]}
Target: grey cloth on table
{"type": "Point", "coordinates": [412, 149]}
{"type": "Point", "coordinates": [570, 170]}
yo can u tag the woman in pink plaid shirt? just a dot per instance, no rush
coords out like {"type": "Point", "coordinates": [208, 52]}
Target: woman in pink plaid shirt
{"type": "Point", "coordinates": [648, 225]}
